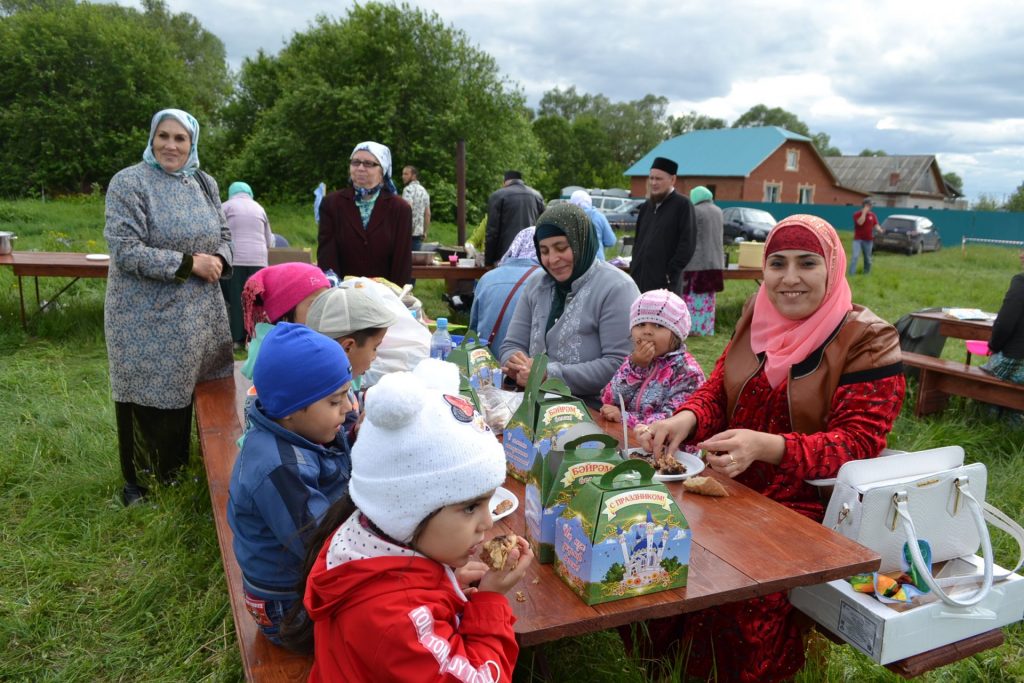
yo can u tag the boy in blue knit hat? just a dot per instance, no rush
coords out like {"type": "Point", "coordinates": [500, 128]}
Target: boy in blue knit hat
{"type": "Point", "coordinates": [294, 463]}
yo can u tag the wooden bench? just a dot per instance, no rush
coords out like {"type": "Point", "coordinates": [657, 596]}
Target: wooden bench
{"type": "Point", "coordinates": [219, 428]}
{"type": "Point", "coordinates": [940, 378]}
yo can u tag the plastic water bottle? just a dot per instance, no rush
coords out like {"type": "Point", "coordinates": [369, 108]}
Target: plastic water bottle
{"type": "Point", "coordinates": [441, 340]}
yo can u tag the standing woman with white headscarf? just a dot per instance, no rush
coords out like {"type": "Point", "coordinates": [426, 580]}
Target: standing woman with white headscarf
{"type": "Point", "coordinates": [164, 317]}
{"type": "Point", "coordinates": [366, 228]}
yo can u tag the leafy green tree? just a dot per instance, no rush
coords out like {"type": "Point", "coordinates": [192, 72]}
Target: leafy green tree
{"type": "Point", "coordinates": [615, 573]}
{"type": "Point", "coordinates": [1016, 201]}
{"type": "Point", "coordinates": [389, 73]}
{"type": "Point", "coordinates": [78, 86]}
{"type": "Point", "coordinates": [872, 153]}
{"type": "Point", "coordinates": [954, 181]}
{"type": "Point", "coordinates": [985, 202]}
{"type": "Point", "coordinates": [686, 123]}
{"type": "Point", "coordinates": [761, 115]}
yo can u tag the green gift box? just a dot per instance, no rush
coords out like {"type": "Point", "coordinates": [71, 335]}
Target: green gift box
{"type": "Point", "coordinates": [547, 410]}
{"type": "Point", "coordinates": [476, 361]}
{"type": "Point", "coordinates": [622, 535]}
{"type": "Point", "coordinates": [580, 454]}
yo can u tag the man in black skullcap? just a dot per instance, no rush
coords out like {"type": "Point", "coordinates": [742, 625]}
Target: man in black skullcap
{"type": "Point", "coordinates": [665, 232]}
{"type": "Point", "coordinates": [511, 208]}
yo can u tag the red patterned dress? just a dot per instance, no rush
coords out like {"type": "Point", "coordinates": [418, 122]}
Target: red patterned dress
{"type": "Point", "coordinates": [762, 639]}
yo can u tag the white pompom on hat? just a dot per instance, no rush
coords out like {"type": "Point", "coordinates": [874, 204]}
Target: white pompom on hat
{"type": "Point", "coordinates": [420, 448]}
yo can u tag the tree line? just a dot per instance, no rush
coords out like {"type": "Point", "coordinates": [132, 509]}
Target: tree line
{"type": "Point", "coordinates": [80, 81]}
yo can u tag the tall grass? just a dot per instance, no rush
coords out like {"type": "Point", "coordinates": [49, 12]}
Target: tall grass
{"type": "Point", "coordinates": [91, 591]}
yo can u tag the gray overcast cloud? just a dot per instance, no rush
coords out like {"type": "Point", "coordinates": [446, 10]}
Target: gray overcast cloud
{"type": "Point", "coordinates": [908, 77]}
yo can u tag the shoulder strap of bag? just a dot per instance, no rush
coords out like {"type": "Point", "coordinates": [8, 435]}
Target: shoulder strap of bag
{"type": "Point", "coordinates": [508, 300]}
{"type": "Point", "coordinates": [207, 190]}
{"type": "Point", "coordinates": [975, 510]}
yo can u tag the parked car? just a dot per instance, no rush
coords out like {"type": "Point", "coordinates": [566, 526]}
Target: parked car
{"type": "Point", "coordinates": [909, 234]}
{"type": "Point", "coordinates": [741, 224]}
{"type": "Point", "coordinates": [625, 217]}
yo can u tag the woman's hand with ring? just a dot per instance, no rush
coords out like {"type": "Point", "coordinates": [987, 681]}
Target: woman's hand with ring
{"type": "Point", "coordinates": [207, 267]}
{"type": "Point", "coordinates": [731, 452]}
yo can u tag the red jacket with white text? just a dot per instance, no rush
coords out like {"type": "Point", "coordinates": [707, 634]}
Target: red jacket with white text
{"type": "Point", "coordinates": [382, 612]}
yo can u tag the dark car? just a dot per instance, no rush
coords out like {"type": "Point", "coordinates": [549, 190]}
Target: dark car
{"type": "Point", "coordinates": [741, 224]}
{"type": "Point", "coordinates": [909, 234]}
{"type": "Point", "coordinates": [625, 217]}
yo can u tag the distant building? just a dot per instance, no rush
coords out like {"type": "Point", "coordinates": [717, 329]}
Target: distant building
{"type": "Point", "coordinates": [765, 164]}
{"type": "Point", "coordinates": [911, 182]}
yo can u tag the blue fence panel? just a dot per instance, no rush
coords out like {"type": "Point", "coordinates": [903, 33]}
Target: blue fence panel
{"type": "Point", "coordinates": [952, 225]}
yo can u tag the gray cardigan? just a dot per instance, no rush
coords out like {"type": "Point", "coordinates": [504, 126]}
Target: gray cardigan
{"type": "Point", "coordinates": [709, 254]}
{"type": "Point", "coordinates": [592, 337]}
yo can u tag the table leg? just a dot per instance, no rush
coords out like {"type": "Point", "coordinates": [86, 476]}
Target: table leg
{"type": "Point", "coordinates": [21, 300]}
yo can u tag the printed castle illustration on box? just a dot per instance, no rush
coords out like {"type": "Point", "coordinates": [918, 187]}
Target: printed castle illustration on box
{"type": "Point", "coordinates": [643, 563]}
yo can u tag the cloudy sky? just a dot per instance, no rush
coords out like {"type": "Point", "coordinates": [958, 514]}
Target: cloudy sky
{"type": "Point", "coordinates": [909, 77]}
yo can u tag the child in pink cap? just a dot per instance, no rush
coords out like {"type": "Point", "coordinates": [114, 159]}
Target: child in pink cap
{"type": "Point", "coordinates": [660, 374]}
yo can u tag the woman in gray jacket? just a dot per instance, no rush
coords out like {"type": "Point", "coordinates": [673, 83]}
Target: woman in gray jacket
{"type": "Point", "coordinates": [576, 310]}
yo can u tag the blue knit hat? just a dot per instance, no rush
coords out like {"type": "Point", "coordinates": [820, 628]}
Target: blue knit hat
{"type": "Point", "coordinates": [297, 367]}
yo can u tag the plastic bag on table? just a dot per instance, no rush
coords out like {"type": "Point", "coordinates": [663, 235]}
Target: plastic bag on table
{"type": "Point", "coordinates": [498, 406]}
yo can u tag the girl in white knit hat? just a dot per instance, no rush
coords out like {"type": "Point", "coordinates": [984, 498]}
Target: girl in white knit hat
{"type": "Point", "coordinates": [382, 592]}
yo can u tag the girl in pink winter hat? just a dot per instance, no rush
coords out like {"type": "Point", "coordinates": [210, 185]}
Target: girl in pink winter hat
{"type": "Point", "coordinates": [660, 374]}
{"type": "Point", "coordinates": [281, 293]}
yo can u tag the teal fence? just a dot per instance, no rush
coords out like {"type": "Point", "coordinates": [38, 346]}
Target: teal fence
{"type": "Point", "coordinates": [952, 225]}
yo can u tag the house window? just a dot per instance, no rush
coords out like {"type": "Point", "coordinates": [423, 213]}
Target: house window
{"type": "Point", "coordinates": [792, 159]}
{"type": "Point", "coordinates": [806, 194]}
{"type": "Point", "coordinates": [772, 192]}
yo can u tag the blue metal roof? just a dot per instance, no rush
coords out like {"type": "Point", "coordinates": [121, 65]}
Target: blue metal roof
{"type": "Point", "coordinates": [722, 152]}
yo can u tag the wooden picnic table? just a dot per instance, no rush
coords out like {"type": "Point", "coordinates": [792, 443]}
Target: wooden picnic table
{"type": "Point", "coordinates": [37, 264]}
{"type": "Point", "coordinates": [958, 329]}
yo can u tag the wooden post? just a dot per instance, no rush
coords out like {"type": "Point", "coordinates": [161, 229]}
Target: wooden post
{"type": "Point", "coordinates": [460, 190]}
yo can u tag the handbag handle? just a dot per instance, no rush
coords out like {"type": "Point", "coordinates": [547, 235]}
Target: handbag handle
{"type": "Point", "coordinates": [974, 509]}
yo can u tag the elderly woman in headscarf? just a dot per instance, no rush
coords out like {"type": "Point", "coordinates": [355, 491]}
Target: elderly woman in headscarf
{"type": "Point", "coordinates": [576, 309]}
{"type": "Point", "coordinates": [164, 317]}
{"type": "Point", "coordinates": [251, 236]}
{"type": "Point", "coordinates": [702, 276]}
{"type": "Point", "coordinates": [808, 381]}
{"type": "Point", "coordinates": [366, 228]}
{"type": "Point", "coordinates": [498, 291]}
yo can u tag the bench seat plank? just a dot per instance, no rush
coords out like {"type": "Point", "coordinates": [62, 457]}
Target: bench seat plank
{"type": "Point", "coordinates": [941, 378]}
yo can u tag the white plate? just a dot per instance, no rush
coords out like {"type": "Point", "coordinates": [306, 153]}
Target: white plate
{"type": "Point", "coordinates": [500, 494]}
{"type": "Point", "coordinates": [694, 466]}
{"type": "Point", "coordinates": [97, 257]}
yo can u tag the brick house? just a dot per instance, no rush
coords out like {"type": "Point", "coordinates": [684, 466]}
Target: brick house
{"type": "Point", "coordinates": [908, 181]}
{"type": "Point", "coordinates": [764, 164]}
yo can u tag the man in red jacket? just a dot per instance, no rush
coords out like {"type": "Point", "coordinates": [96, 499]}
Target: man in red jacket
{"type": "Point", "coordinates": [865, 223]}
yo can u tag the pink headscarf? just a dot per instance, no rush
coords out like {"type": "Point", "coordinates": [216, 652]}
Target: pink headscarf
{"type": "Point", "coordinates": [273, 291]}
{"type": "Point", "coordinates": [787, 342]}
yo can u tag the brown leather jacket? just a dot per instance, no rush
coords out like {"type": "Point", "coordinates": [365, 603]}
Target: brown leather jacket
{"type": "Point", "coordinates": [862, 348]}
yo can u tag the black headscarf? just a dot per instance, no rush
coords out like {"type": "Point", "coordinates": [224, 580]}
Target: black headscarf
{"type": "Point", "coordinates": [568, 220]}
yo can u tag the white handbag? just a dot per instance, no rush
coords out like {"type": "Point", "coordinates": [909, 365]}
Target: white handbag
{"type": "Point", "coordinates": [884, 503]}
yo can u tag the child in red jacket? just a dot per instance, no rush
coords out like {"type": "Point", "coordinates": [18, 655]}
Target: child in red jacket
{"type": "Point", "coordinates": [382, 594]}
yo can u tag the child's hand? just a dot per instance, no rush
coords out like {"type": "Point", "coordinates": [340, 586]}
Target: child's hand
{"type": "Point", "coordinates": [469, 575]}
{"type": "Point", "coordinates": [502, 581]}
{"type": "Point", "coordinates": [643, 353]}
{"type": "Point", "coordinates": [610, 412]}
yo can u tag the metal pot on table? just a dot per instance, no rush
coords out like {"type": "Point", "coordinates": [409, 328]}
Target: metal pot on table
{"type": "Point", "coordinates": [7, 242]}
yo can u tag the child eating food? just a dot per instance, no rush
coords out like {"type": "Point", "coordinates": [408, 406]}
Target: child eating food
{"type": "Point", "coordinates": [381, 592]}
{"type": "Point", "coordinates": [660, 374]}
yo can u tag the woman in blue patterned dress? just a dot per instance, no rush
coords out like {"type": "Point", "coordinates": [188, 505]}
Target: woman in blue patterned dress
{"type": "Point", "coordinates": [164, 317]}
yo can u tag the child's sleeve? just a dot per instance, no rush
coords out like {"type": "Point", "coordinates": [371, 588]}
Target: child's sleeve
{"type": "Point", "coordinates": [687, 377]}
{"type": "Point", "coordinates": [482, 648]}
{"type": "Point", "coordinates": [289, 504]}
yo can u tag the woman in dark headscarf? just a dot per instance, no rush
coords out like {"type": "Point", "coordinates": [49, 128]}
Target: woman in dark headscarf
{"type": "Point", "coordinates": [576, 310]}
{"type": "Point", "coordinates": [366, 229]}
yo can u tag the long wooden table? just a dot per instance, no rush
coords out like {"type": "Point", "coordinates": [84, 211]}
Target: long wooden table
{"type": "Point", "coordinates": [959, 329]}
{"type": "Point", "coordinates": [37, 264]}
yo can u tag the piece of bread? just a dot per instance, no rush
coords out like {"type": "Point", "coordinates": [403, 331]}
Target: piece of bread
{"type": "Point", "coordinates": [495, 551]}
{"type": "Point", "coordinates": [503, 506]}
{"type": "Point", "coordinates": [705, 486]}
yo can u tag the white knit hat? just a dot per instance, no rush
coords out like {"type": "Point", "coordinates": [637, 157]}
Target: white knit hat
{"type": "Point", "coordinates": [420, 449]}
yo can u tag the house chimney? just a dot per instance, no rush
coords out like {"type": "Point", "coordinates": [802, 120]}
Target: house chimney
{"type": "Point", "coordinates": [894, 179]}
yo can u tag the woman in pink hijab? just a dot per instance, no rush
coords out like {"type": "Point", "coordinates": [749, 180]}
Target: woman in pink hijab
{"type": "Point", "coordinates": [808, 382]}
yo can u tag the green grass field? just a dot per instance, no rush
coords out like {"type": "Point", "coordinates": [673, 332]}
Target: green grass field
{"type": "Point", "coordinates": [91, 591]}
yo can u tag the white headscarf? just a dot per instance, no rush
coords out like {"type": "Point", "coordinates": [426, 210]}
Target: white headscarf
{"type": "Point", "coordinates": [383, 156]}
{"type": "Point", "coordinates": [191, 125]}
